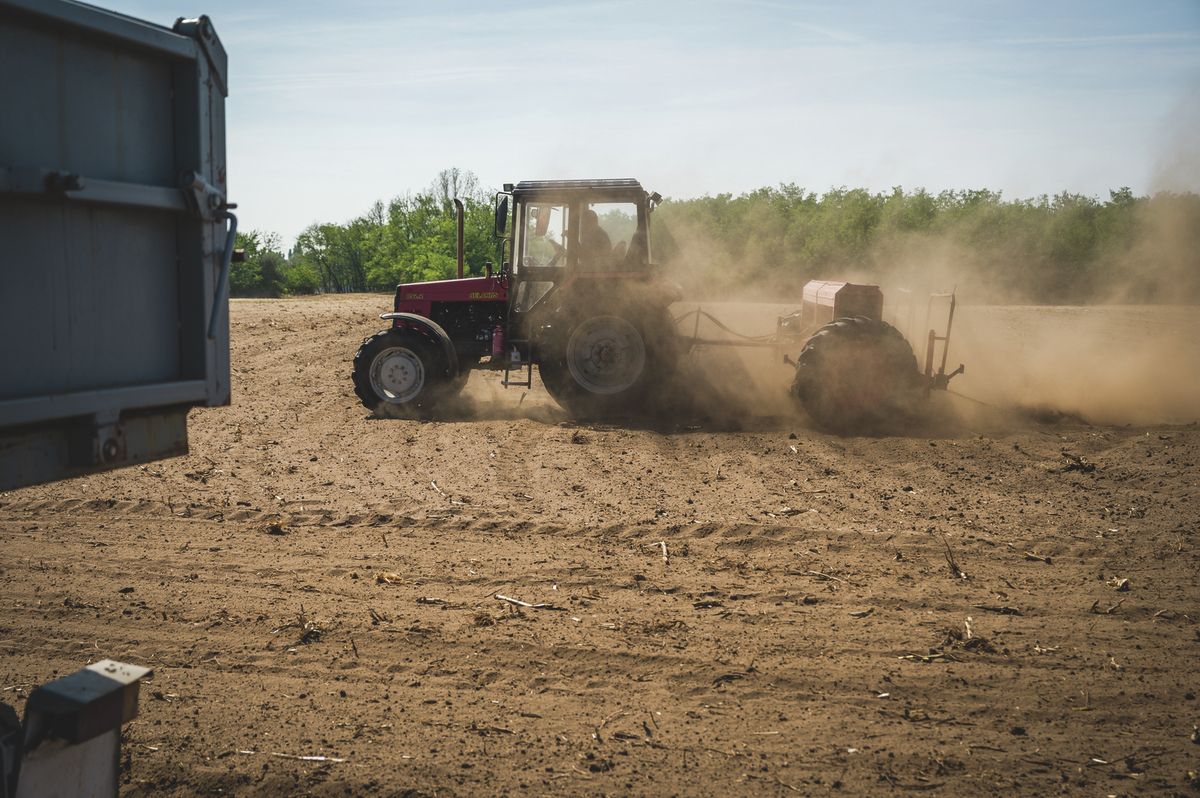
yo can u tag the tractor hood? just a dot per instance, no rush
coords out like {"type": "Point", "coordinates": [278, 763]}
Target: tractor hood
{"type": "Point", "coordinates": [468, 289]}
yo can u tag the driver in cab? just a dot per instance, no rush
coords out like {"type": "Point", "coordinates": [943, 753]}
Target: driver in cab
{"type": "Point", "coordinates": [595, 247]}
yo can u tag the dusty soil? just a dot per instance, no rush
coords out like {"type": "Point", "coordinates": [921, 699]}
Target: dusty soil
{"type": "Point", "coordinates": [944, 613]}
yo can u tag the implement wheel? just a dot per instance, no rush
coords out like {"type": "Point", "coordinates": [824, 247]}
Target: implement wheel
{"type": "Point", "coordinates": [857, 376]}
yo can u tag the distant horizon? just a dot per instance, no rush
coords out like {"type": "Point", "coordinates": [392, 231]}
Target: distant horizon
{"type": "Point", "coordinates": [332, 109]}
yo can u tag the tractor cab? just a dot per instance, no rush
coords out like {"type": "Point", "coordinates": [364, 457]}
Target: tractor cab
{"type": "Point", "coordinates": [567, 230]}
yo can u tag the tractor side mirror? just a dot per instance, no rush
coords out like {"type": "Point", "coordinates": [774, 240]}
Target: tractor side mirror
{"type": "Point", "coordinates": [502, 215]}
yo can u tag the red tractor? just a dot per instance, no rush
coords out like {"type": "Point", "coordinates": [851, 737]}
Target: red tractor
{"type": "Point", "coordinates": [580, 298]}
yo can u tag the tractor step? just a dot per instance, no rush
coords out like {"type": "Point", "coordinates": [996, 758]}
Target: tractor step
{"type": "Point", "coordinates": [520, 356]}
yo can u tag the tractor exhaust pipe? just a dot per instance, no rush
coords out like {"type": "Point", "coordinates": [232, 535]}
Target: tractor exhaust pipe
{"type": "Point", "coordinates": [462, 212]}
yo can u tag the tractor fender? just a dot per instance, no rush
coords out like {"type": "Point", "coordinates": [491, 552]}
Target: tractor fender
{"type": "Point", "coordinates": [430, 329]}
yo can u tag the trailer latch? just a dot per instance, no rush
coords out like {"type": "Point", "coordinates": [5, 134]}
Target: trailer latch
{"type": "Point", "coordinates": [203, 198]}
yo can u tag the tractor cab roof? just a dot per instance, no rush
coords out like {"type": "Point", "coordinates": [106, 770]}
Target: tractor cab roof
{"type": "Point", "coordinates": [618, 190]}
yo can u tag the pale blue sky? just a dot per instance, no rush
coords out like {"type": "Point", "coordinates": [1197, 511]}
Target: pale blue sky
{"type": "Point", "coordinates": [335, 105]}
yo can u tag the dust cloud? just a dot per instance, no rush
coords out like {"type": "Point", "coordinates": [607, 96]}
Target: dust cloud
{"type": "Point", "coordinates": [1178, 168]}
{"type": "Point", "coordinates": [1104, 364]}
{"type": "Point", "coordinates": [733, 387]}
{"type": "Point", "coordinates": [1107, 362]}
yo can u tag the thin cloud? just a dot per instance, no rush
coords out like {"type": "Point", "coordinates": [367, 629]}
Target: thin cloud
{"type": "Point", "coordinates": [1165, 37]}
{"type": "Point", "coordinates": [833, 34]}
{"type": "Point", "coordinates": [376, 79]}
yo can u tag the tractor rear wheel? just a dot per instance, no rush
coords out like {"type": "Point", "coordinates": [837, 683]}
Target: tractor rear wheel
{"type": "Point", "coordinates": [402, 369]}
{"type": "Point", "coordinates": [609, 362]}
{"type": "Point", "coordinates": [857, 375]}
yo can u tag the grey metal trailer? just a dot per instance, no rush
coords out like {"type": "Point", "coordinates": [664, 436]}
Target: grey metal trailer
{"type": "Point", "coordinates": [115, 237]}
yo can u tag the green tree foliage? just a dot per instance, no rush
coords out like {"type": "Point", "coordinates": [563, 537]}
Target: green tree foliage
{"type": "Point", "coordinates": [1061, 249]}
{"type": "Point", "coordinates": [1052, 249]}
{"type": "Point", "coordinates": [265, 272]}
{"type": "Point", "coordinates": [411, 238]}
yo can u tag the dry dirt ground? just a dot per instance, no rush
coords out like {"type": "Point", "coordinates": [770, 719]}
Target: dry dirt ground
{"type": "Point", "coordinates": [964, 613]}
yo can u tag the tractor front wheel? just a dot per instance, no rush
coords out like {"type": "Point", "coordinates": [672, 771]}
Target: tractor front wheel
{"type": "Point", "coordinates": [857, 376]}
{"type": "Point", "coordinates": [402, 369]}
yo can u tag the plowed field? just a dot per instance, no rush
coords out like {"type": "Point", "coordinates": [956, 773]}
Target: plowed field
{"type": "Point", "coordinates": [733, 605]}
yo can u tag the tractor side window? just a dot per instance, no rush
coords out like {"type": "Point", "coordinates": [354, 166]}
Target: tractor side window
{"type": "Point", "coordinates": [609, 239]}
{"type": "Point", "coordinates": [545, 239]}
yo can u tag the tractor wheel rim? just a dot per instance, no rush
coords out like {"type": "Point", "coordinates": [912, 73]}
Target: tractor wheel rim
{"type": "Point", "coordinates": [606, 355]}
{"type": "Point", "coordinates": [397, 375]}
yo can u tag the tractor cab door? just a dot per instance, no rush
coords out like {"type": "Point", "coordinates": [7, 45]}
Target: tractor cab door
{"type": "Point", "coordinates": [543, 251]}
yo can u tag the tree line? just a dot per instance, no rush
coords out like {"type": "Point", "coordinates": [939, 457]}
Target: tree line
{"type": "Point", "coordinates": [410, 238]}
{"type": "Point", "coordinates": [1065, 248]}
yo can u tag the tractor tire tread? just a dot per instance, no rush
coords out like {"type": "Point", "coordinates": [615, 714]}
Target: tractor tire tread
{"type": "Point", "coordinates": [439, 388]}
